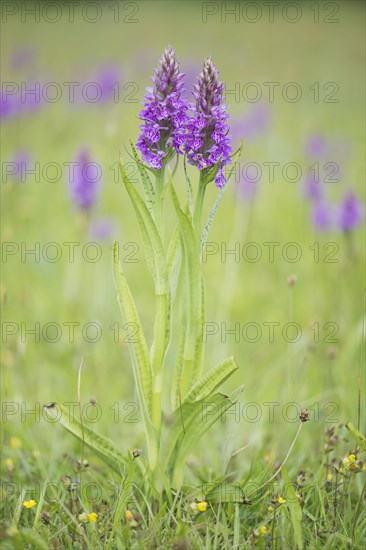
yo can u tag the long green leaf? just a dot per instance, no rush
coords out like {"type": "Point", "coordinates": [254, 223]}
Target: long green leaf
{"type": "Point", "coordinates": [212, 409]}
{"type": "Point", "coordinates": [192, 273]}
{"type": "Point", "coordinates": [173, 262]}
{"type": "Point", "coordinates": [123, 499]}
{"type": "Point", "coordinates": [146, 182]}
{"type": "Point", "coordinates": [199, 349]}
{"type": "Point", "coordinates": [154, 250]}
{"type": "Point", "coordinates": [212, 380]}
{"type": "Point", "coordinates": [137, 346]}
{"type": "Point", "coordinates": [191, 421]}
{"type": "Point", "coordinates": [99, 444]}
{"type": "Point", "coordinates": [235, 157]}
{"type": "Point", "coordinates": [295, 509]}
{"type": "Point", "coordinates": [139, 356]}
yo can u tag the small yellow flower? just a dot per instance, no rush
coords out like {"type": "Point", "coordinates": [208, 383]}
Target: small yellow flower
{"type": "Point", "coordinates": [202, 506]}
{"type": "Point", "coordinates": [352, 458]}
{"type": "Point", "coordinates": [281, 500]}
{"type": "Point", "coordinates": [270, 508]}
{"type": "Point", "coordinates": [128, 515]}
{"type": "Point", "coordinates": [263, 529]}
{"type": "Point", "coordinates": [15, 442]}
{"type": "Point", "coordinates": [329, 477]}
{"type": "Point", "coordinates": [92, 517]}
{"type": "Point", "coordinates": [29, 503]}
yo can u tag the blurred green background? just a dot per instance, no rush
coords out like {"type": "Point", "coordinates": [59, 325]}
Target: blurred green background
{"type": "Point", "coordinates": [304, 132]}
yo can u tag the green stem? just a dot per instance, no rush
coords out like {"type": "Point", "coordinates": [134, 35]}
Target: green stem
{"type": "Point", "coordinates": [197, 215]}
{"type": "Point", "coordinates": [159, 202]}
{"type": "Point", "coordinates": [160, 326]}
{"type": "Point", "coordinates": [156, 404]}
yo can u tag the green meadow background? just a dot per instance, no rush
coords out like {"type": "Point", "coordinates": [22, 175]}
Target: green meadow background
{"type": "Point", "coordinates": [322, 376]}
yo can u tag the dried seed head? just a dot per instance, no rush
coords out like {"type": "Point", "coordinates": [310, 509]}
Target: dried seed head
{"type": "Point", "coordinates": [45, 518]}
{"type": "Point", "coordinates": [82, 465]}
{"type": "Point", "coordinates": [291, 280]}
{"type": "Point", "coordinates": [304, 416]}
{"type": "Point", "coordinates": [136, 453]}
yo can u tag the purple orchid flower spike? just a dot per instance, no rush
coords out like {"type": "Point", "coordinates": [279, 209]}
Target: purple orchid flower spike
{"type": "Point", "coordinates": [322, 215]}
{"type": "Point", "coordinates": [21, 161]}
{"type": "Point", "coordinates": [316, 146]}
{"type": "Point", "coordinates": [251, 124]}
{"type": "Point", "coordinates": [350, 212]}
{"type": "Point", "coordinates": [207, 142]}
{"type": "Point", "coordinates": [312, 187]}
{"type": "Point", "coordinates": [84, 181]}
{"type": "Point", "coordinates": [164, 114]}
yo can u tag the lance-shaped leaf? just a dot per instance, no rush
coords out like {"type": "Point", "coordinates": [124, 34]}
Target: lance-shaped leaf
{"type": "Point", "coordinates": [138, 351]}
{"type": "Point", "coordinates": [176, 397]}
{"type": "Point", "coordinates": [173, 262]}
{"type": "Point", "coordinates": [191, 422]}
{"type": "Point", "coordinates": [192, 273]}
{"type": "Point", "coordinates": [99, 444]}
{"type": "Point", "coordinates": [212, 380]}
{"type": "Point", "coordinates": [124, 497]}
{"type": "Point", "coordinates": [199, 351]}
{"type": "Point", "coordinates": [146, 181]}
{"type": "Point", "coordinates": [154, 250]}
{"type": "Point", "coordinates": [235, 158]}
{"type": "Point", "coordinates": [137, 346]}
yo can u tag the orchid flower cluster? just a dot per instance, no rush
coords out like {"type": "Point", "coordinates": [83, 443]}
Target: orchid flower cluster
{"type": "Point", "coordinates": [172, 125]}
{"type": "Point", "coordinates": [173, 351]}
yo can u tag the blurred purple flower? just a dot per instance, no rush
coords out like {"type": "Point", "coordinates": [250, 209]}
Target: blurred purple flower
{"type": "Point", "coordinates": [84, 180]}
{"type": "Point", "coordinates": [103, 229]}
{"type": "Point", "coordinates": [251, 124]}
{"type": "Point", "coordinates": [316, 146]}
{"type": "Point", "coordinates": [248, 184]}
{"type": "Point", "coordinates": [350, 212]}
{"type": "Point", "coordinates": [312, 188]}
{"type": "Point", "coordinates": [22, 57]}
{"type": "Point", "coordinates": [16, 102]}
{"type": "Point", "coordinates": [322, 215]}
{"type": "Point", "coordinates": [108, 78]}
{"type": "Point", "coordinates": [8, 106]}
{"type": "Point", "coordinates": [20, 160]}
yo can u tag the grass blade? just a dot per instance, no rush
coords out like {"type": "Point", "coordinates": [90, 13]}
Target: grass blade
{"type": "Point", "coordinates": [295, 509]}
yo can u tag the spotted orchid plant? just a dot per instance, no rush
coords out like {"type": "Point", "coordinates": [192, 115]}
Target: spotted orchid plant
{"type": "Point", "coordinates": [172, 128]}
